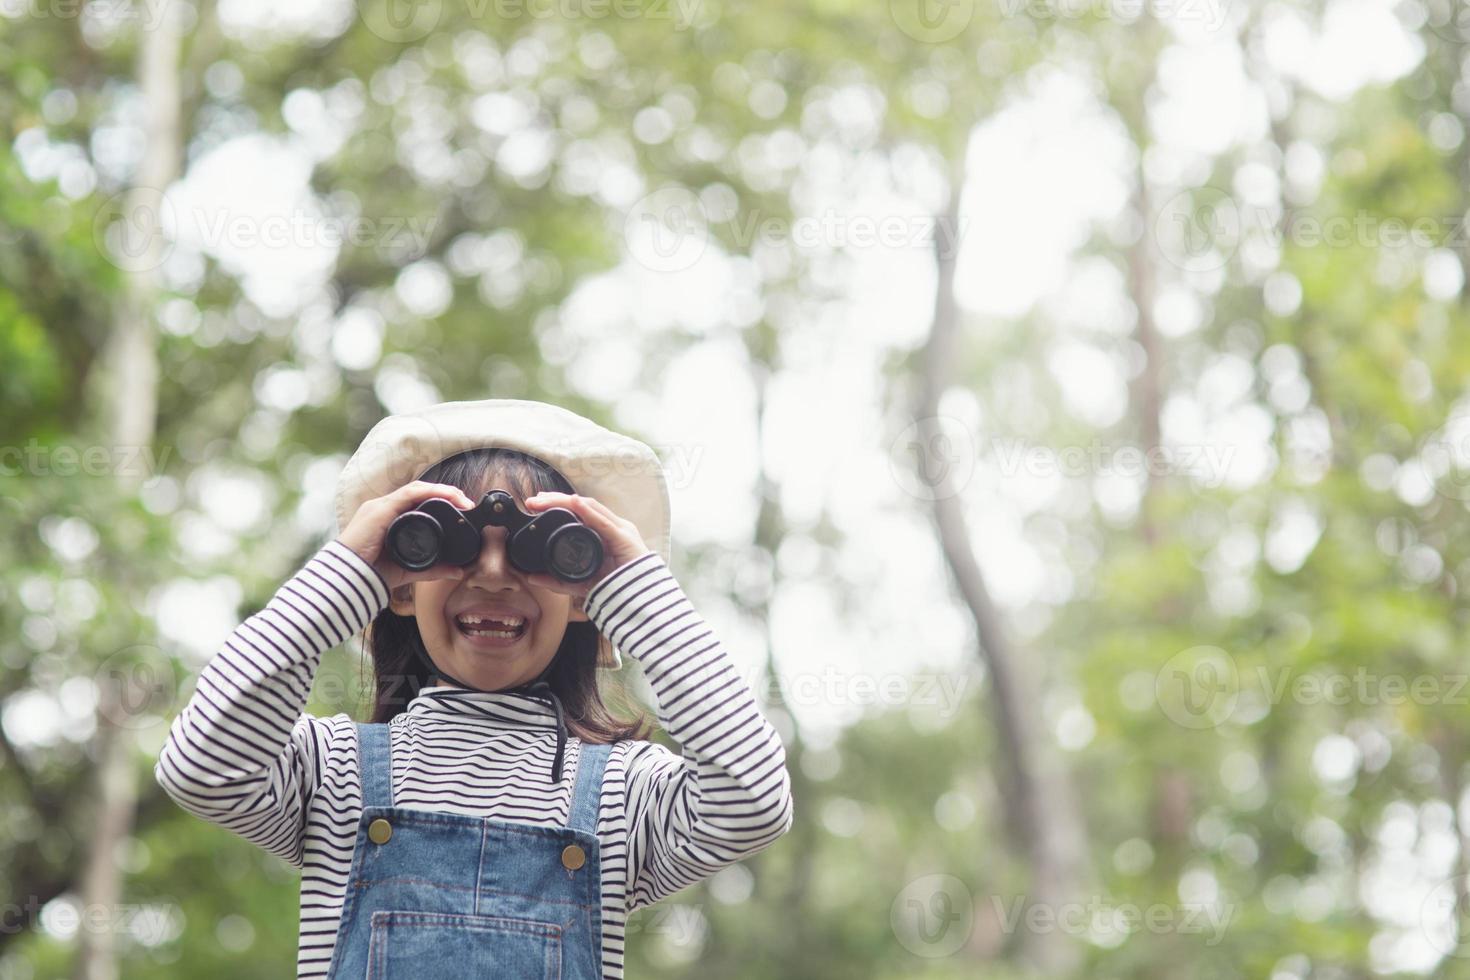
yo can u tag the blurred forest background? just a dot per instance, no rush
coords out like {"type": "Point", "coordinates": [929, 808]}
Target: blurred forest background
{"type": "Point", "coordinates": [1065, 405]}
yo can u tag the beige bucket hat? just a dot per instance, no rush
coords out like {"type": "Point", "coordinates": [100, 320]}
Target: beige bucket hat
{"type": "Point", "coordinates": [617, 470]}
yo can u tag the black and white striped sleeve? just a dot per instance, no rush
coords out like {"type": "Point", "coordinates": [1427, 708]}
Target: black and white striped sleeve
{"type": "Point", "coordinates": [242, 753]}
{"type": "Point", "coordinates": [728, 795]}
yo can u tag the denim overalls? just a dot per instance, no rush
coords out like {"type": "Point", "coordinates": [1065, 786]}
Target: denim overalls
{"type": "Point", "coordinates": [436, 895]}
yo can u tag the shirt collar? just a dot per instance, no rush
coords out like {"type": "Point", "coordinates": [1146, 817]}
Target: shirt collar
{"type": "Point", "coordinates": [504, 709]}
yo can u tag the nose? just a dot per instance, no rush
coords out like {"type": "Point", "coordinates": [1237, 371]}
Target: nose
{"type": "Point", "coordinates": [492, 567]}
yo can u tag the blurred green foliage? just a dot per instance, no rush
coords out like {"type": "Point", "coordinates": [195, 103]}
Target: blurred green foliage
{"type": "Point", "coordinates": [1311, 822]}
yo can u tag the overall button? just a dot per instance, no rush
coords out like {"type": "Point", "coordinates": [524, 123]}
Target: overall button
{"type": "Point", "coordinates": [573, 856]}
{"type": "Point", "coordinates": [379, 831]}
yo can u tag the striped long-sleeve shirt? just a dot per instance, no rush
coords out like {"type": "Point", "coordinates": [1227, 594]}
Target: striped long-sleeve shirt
{"type": "Point", "coordinates": [243, 754]}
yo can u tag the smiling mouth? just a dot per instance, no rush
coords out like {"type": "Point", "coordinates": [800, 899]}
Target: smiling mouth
{"type": "Point", "coordinates": [485, 627]}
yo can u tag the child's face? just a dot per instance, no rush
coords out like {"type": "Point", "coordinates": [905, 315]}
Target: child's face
{"type": "Point", "coordinates": [493, 588]}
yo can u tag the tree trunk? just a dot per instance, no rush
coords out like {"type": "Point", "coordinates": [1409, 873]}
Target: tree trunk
{"type": "Point", "coordinates": [1148, 386]}
{"type": "Point", "coordinates": [1042, 814]}
{"type": "Point", "coordinates": [131, 409]}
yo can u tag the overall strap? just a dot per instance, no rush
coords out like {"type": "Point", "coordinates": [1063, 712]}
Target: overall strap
{"type": "Point", "coordinates": [588, 790]}
{"type": "Point", "coordinates": [375, 762]}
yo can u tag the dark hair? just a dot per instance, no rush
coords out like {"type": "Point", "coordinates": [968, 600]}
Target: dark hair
{"type": "Point", "coordinates": [397, 649]}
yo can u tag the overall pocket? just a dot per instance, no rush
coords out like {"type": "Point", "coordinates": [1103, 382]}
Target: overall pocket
{"type": "Point", "coordinates": [405, 945]}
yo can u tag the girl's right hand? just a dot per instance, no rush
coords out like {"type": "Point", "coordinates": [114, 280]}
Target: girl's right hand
{"type": "Point", "coordinates": [368, 528]}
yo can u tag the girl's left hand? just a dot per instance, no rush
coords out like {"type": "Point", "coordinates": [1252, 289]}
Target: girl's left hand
{"type": "Point", "coordinates": [621, 542]}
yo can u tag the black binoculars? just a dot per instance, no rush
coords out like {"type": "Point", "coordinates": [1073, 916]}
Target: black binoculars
{"type": "Point", "coordinates": [553, 540]}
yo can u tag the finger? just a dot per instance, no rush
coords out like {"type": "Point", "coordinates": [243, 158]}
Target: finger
{"type": "Point", "coordinates": [423, 490]}
{"type": "Point", "coordinates": [583, 507]}
{"type": "Point", "coordinates": [612, 521]}
{"type": "Point", "coordinates": [551, 498]}
{"type": "Point", "coordinates": [444, 490]}
{"type": "Point", "coordinates": [601, 508]}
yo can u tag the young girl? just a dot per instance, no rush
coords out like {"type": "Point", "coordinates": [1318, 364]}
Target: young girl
{"type": "Point", "coordinates": [494, 818]}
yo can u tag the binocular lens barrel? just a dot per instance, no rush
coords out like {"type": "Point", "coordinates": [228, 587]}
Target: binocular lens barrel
{"type": "Point", "coordinates": [574, 552]}
{"type": "Point", "coordinates": [552, 541]}
{"type": "Point", "coordinates": [414, 541]}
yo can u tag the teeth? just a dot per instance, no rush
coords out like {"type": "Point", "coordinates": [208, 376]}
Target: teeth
{"type": "Point", "coordinates": [498, 634]}
{"type": "Point", "coordinates": [511, 624]}
{"type": "Point", "coordinates": [490, 626]}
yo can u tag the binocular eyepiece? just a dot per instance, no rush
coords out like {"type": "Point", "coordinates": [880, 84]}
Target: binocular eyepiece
{"type": "Point", "coordinates": [551, 541]}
